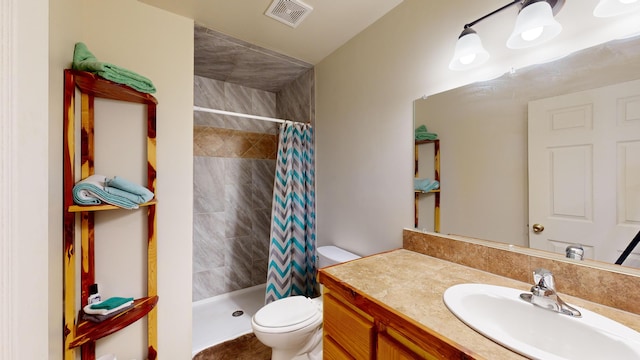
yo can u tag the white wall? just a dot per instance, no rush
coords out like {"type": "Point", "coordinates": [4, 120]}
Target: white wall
{"type": "Point", "coordinates": [364, 101]}
{"type": "Point", "coordinates": [158, 45]}
{"type": "Point", "coordinates": [23, 179]}
{"type": "Point", "coordinates": [62, 35]}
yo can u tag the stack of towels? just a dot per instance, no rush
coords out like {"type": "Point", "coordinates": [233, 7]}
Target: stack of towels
{"type": "Point", "coordinates": [421, 133]}
{"type": "Point", "coordinates": [103, 310]}
{"type": "Point", "coordinates": [425, 185]}
{"type": "Point", "coordinates": [84, 60]}
{"type": "Point", "coordinates": [98, 189]}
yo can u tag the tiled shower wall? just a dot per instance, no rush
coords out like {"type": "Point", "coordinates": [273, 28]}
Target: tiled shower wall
{"type": "Point", "coordinates": [234, 167]}
{"type": "Point", "coordinates": [296, 100]}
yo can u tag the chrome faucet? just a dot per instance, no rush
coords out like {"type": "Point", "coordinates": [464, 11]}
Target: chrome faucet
{"type": "Point", "coordinates": [543, 294]}
{"type": "Point", "coordinates": [575, 251]}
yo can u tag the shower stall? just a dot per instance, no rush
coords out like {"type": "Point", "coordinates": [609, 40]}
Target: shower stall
{"type": "Point", "coordinates": [234, 167]}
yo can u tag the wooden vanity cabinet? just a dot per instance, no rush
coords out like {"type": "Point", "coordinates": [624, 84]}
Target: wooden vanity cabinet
{"type": "Point", "coordinates": [333, 351]}
{"type": "Point", "coordinates": [391, 349]}
{"type": "Point", "coordinates": [352, 332]}
{"type": "Point", "coordinates": [358, 327]}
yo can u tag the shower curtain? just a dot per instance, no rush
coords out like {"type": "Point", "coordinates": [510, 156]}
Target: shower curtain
{"type": "Point", "coordinates": [292, 251]}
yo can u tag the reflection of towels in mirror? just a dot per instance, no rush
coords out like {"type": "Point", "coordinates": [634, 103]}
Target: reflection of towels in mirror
{"type": "Point", "coordinates": [425, 184]}
{"type": "Point", "coordinates": [421, 133]}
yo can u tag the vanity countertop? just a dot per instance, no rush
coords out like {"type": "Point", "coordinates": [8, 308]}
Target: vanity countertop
{"type": "Point", "coordinates": [412, 284]}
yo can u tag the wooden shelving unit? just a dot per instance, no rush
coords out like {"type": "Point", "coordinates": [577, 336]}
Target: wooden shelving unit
{"type": "Point", "coordinates": [78, 332]}
{"type": "Point", "coordinates": [436, 193]}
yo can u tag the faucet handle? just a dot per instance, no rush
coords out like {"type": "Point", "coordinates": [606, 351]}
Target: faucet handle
{"type": "Point", "coordinates": [543, 278]}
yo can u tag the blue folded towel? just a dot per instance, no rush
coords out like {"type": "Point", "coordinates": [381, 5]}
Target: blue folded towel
{"type": "Point", "coordinates": [425, 184]}
{"type": "Point", "coordinates": [90, 191]}
{"type": "Point", "coordinates": [122, 187]}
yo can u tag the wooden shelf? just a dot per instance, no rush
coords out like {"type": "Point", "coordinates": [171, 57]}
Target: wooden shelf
{"type": "Point", "coordinates": [94, 85]}
{"type": "Point", "coordinates": [91, 331]}
{"type": "Point", "coordinates": [80, 336]}
{"type": "Point", "coordinates": [81, 208]}
{"type": "Point", "coordinates": [418, 142]}
{"type": "Point", "coordinates": [426, 192]}
{"type": "Point", "coordinates": [436, 174]}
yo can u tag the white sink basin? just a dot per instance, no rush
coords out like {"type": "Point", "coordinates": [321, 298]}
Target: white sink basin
{"type": "Point", "coordinates": [498, 313]}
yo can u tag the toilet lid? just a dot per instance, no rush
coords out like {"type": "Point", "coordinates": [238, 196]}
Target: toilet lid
{"type": "Point", "coordinates": [286, 312]}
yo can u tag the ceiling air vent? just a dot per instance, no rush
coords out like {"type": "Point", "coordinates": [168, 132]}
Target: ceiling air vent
{"type": "Point", "coordinates": [290, 12]}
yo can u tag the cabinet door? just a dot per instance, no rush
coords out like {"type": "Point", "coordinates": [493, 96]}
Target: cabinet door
{"type": "Point", "coordinates": [331, 350]}
{"type": "Point", "coordinates": [353, 332]}
{"type": "Point", "coordinates": [390, 349]}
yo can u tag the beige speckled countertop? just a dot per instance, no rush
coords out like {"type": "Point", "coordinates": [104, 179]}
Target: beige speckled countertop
{"type": "Point", "coordinates": [413, 285]}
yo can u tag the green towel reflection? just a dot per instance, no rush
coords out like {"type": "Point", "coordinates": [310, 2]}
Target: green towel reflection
{"type": "Point", "coordinates": [421, 133]}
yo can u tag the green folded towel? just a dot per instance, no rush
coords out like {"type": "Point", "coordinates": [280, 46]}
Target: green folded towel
{"type": "Point", "coordinates": [84, 60]}
{"type": "Point", "coordinates": [421, 133]}
{"type": "Point", "coordinates": [111, 303]}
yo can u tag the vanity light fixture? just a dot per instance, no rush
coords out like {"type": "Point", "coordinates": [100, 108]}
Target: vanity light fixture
{"type": "Point", "coordinates": [534, 25]}
{"type": "Point", "coordinates": [469, 51]}
{"type": "Point", "coordinates": [608, 8]}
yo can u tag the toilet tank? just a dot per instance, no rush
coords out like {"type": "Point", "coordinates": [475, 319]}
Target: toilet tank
{"type": "Point", "coordinates": [330, 255]}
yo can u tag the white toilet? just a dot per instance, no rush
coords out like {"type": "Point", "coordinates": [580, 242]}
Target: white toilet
{"type": "Point", "coordinates": [292, 327]}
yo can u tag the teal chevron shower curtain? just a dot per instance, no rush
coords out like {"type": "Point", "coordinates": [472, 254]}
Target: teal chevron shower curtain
{"type": "Point", "coordinates": [292, 251]}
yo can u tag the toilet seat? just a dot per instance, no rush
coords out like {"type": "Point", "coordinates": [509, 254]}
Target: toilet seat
{"type": "Point", "coordinates": [287, 314]}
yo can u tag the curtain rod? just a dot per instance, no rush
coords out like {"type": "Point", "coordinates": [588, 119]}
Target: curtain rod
{"type": "Point", "coordinates": [216, 111]}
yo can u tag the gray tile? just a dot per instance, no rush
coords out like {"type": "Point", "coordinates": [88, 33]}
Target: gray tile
{"type": "Point", "coordinates": [221, 57]}
{"type": "Point", "coordinates": [259, 271]}
{"type": "Point", "coordinates": [261, 227]}
{"type": "Point", "coordinates": [208, 283]}
{"type": "Point", "coordinates": [237, 252]}
{"type": "Point", "coordinates": [238, 199]}
{"type": "Point", "coordinates": [237, 98]}
{"type": "Point", "coordinates": [208, 241]}
{"type": "Point", "coordinates": [251, 125]}
{"type": "Point", "coordinates": [208, 93]}
{"type": "Point", "coordinates": [215, 57]}
{"type": "Point", "coordinates": [261, 235]}
{"type": "Point", "coordinates": [237, 222]}
{"type": "Point", "coordinates": [238, 171]}
{"type": "Point", "coordinates": [201, 118]}
{"type": "Point", "coordinates": [239, 264]}
{"type": "Point", "coordinates": [263, 103]}
{"type": "Point", "coordinates": [295, 99]}
{"type": "Point", "coordinates": [208, 187]}
{"type": "Point", "coordinates": [263, 174]}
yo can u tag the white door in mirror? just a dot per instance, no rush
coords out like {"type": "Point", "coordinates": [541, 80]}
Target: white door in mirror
{"type": "Point", "coordinates": [584, 171]}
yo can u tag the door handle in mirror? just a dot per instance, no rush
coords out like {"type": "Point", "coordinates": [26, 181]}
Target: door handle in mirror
{"type": "Point", "coordinates": [538, 228]}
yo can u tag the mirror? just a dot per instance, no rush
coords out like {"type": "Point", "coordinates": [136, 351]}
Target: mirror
{"type": "Point", "coordinates": [482, 129]}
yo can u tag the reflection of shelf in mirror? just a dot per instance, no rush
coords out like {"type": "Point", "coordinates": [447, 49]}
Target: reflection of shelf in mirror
{"type": "Point", "coordinates": [90, 331]}
{"type": "Point", "coordinates": [80, 208]}
{"type": "Point", "coordinates": [418, 142]}
{"type": "Point", "coordinates": [436, 177]}
{"type": "Point", "coordinates": [426, 192]}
